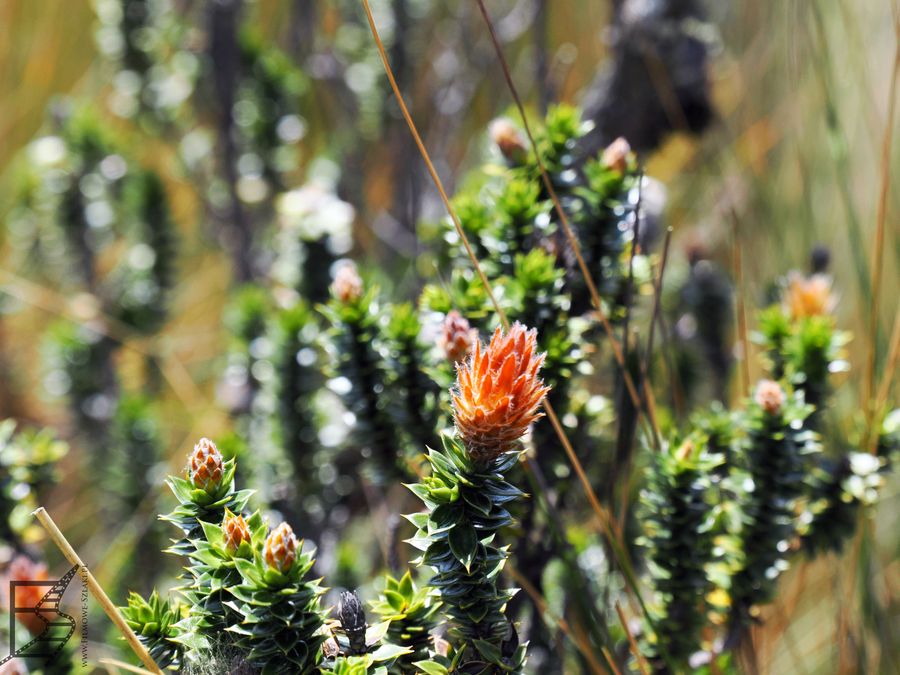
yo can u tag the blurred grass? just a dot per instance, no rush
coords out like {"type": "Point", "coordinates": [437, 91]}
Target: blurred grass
{"type": "Point", "coordinates": [801, 89]}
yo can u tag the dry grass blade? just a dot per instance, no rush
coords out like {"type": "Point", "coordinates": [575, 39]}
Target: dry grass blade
{"type": "Point", "coordinates": [642, 663]}
{"type": "Point", "coordinates": [743, 335]}
{"type": "Point", "coordinates": [878, 244]}
{"type": "Point", "coordinates": [96, 589]}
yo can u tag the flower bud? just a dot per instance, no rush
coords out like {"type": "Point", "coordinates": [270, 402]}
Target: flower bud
{"type": "Point", "coordinates": [347, 285]}
{"type": "Point", "coordinates": [353, 620]}
{"type": "Point", "coordinates": [616, 155]}
{"type": "Point", "coordinates": [236, 531]}
{"type": "Point", "coordinates": [206, 465]}
{"type": "Point", "coordinates": [457, 338]}
{"type": "Point", "coordinates": [280, 550]}
{"type": "Point", "coordinates": [508, 139]}
{"type": "Point", "coordinates": [770, 396]}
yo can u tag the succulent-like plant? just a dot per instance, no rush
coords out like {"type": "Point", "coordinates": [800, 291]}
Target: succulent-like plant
{"type": "Point", "coordinates": [496, 399]}
{"type": "Point", "coordinates": [154, 622]}
{"type": "Point", "coordinates": [204, 495]}
{"type": "Point", "coordinates": [417, 411]}
{"type": "Point", "coordinates": [678, 519]}
{"type": "Point", "coordinates": [775, 453]}
{"type": "Point", "coordinates": [412, 613]}
{"type": "Point", "coordinates": [353, 315]}
{"type": "Point", "coordinates": [212, 571]}
{"type": "Point", "coordinates": [281, 621]}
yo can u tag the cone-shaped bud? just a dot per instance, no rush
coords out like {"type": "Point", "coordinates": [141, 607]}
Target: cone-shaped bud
{"type": "Point", "coordinates": [508, 139]}
{"type": "Point", "coordinates": [353, 620]}
{"type": "Point", "coordinates": [770, 396]}
{"type": "Point", "coordinates": [347, 285]}
{"type": "Point", "coordinates": [236, 531]}
{"type": "Point", "coordinates": [808, 296]}
{"type": "Point", "coordinates": [498, 392]}
{"type": "Point", "coordinates": [280, 550]}
{"type": "Point", "coordinates": [206, 465]}
{"type": "Point", "coordinates": [616, 155]}
{"type": "Point", "coordinates": [457, 337]}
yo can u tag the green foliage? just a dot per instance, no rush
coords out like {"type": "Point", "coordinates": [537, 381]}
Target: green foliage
{"type": "Point", "coordinates": [678, 518]}
{"type": "Point", "coordinates": [412, 613]}
{"type": "Point", "coordinates": [212, 571]}
{"type": "Point", "coordinates": [27, 466]}
{"type": "Point", "coordinates": [417, 396]}
{"type": "Point", "coordinates": [297, 379]}
{"type": "Point", "coordinates": [840, 489]}
{"type": "Point", "coordinates": [774, 455]}
{"type": "Point", "coordinates": [356, 357]}
{"type": "Point", "coordinates": [154, 622]}
{"type": "Point", "coordinates": [466, 507]}
{"type": "Point", "coordinates": [281, 620]}
{"type": "Point", "coordinates": [141, 281]}
{"type": "Point", "coordinates": [198, 506]}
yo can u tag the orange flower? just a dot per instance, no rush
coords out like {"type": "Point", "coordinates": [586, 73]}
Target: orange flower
{"type": "Point", "coordinates": [808, 296]}
{"type": "Point", "coordinates": [280, 549]}
{"type": "Point", "coordinates": [770, 396]}
{"type": "Point", "coordinates": [457, 338]}
{"type": "Point", "coordinates": [236, 531]}
{"type": "Point", "coordinates": [23, 569]}
{"type": "Point", "coordinates": [206, 465]}
{"type": "Point", "coordinates": [347, 285]}
{"type": "Point", "coordinates": [498, 392]}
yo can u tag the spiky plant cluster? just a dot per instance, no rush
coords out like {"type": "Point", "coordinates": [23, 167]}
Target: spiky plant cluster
{"type": "Point", "coordinates": [353, 313]}
{"type": "Point", "coordinates": [775, 453]}
{"type": "Point", "coordinates": [799, 335]}
{"type": "Point", "coordinates": [204, 495]}
{"type": "Point", "coordinates": [212, 571]}
{"type": "Point", "coordinates": [280, 630]}
{"type": "Point", "coordinates": [154, 622]}
{"type": "Point", "coordinates": [678, 520]}
{"type": "Point", "coordinates": [496, 399]}
{"type": "Point", "coordinates": [417, 395]}
{"type": "Point", "coordinates": [297, 361]}
{"type": "Point", "coordinates": [27, 467]}
{"type": "Point", "coordinates": [412, 614]}
{"type": "Point", "coordinates": [840, 489]}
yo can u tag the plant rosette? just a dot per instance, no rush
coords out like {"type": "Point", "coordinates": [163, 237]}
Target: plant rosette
{"type": "Point", "coordinates": [281, 627]}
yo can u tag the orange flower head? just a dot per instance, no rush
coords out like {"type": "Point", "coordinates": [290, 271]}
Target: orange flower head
{"type": "Point", "coordinates": [280, 550]}
{"type": "Point", "coordinates": [23, 569]}
{"type": "Point", "coordinates": [770, 396]}
{"type": "Point", "coordinates": [508, 139]}
{"type": "Point", "coordinates": [236, 531]}
{"type": "Point", "coordinates": [616, 155]}
{"type": "Point", "coordinates": [498, 392]}
{"type": "Point", "coordinates": [206, 465]}
{"type": "Point", "coordinates": [808, 296]}
{"type": "Point", "coordinates": [457, 338]}
{"type": "Point", "coordinates": [347, 285]}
